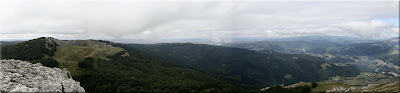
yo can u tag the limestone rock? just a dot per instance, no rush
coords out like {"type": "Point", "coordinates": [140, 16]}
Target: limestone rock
{"type": "Point", "coordinates": [22, 76]}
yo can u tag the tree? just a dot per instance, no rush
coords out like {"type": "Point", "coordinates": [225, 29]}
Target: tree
{"type": "Point", "coordinates": [86, 63]}
{"type": "Point", "coordinates": [122, 88]}
{"type": "Point", "coordinates": [48, 62]}
{"type": "Point", "coordinates": [313, 84]}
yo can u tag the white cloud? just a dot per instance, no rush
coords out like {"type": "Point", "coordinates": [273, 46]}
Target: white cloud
{"type": "Point", "coordinates": [218, 21]}
{"type": "Point", "coordinates": [368, 29]}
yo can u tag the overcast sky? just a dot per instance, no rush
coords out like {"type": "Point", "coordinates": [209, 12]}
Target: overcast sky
{"type": "Point", "coordinates": [217, 21]}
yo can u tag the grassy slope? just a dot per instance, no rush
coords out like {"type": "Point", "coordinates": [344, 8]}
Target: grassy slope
{"type": "Point", "coordinates": [327, 85]}
{"type": "Point", "coordinates": [382, 83]}
{"type": "Point", "coordinates": [322, 85]}
{"type": "Point", "coordinates": [69, 53]}
{"type": "Point", "coordinates": [369, 78]}
{"type": "Point", "coordinates": [389, 87]}
{"type": "Point", "coordinates": [299, 84]}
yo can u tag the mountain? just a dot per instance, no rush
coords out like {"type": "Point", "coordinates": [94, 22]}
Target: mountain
{"type": "Point", "coordinates": [285, 46]}
{"type": "Point", "coordinates": [22, 76]}
{"type": "Point", "coordinates": [362, 49]}
{"type": "Point", "coordinates": [299, 44]}
{"type": "Point", "coordinates": [337, 39]}
{"type": "Point", "coordinates": [371, 56]}
{"type": "Point", "coordinates": [247, 68]}
{"type": "Point", "coordinates": [101, 66]}
{"type": "Point", "coordinates": [30, 50]}
{"type": "Point", "coordinates": [381, 50]}
{"type": "Point", "coordinates": [381, 56]}
{"type": "Point", "coordinates": [9, 42]}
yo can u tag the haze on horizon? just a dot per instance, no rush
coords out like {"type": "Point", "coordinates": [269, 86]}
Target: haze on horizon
{"type": "Point", "coordinates": [220, 21]}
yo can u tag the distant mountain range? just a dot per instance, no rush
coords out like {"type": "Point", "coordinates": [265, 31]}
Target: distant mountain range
{"type": "Point", "coordinates": [376, 53]}
{"type": "Point", "coordinates": [349, 50]}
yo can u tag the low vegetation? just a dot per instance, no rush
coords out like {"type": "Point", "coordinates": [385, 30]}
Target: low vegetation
{"type": "Point", "coordinates": [323, 86]}
{"type": "Point", "coordinates": [280, 89]}
{"type": "Point", "coordinates": [86, 63]}
{"type": "Point", "coordinates": [49, 62]}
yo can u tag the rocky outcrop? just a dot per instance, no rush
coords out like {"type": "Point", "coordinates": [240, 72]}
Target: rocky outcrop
{"type": "Point", "coordinates": [337, 89]}
{"type": "Point", "coordinates": [22, 76]}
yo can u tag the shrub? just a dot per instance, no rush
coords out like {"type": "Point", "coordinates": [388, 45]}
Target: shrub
{"type": "Point", "coordinates": [86, 63]}
{"type": "Point", "coordinates": [313, 84]}
{"type": "Point", "coordinates": [48, 62]}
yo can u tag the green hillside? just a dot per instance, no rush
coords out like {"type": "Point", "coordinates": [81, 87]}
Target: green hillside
{"type": "Point", "coordinates": [334, 86]}
{"type": "Point", "coordinates": [69, 53]}
{"type": "Point", "coordinates": [30, 50]}
{"type": "Point", "coordinates": [115, 69]}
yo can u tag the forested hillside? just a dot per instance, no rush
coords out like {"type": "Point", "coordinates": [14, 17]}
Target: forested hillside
{"type": "Point", "coordinates": [299, 46]}
{"type": "Point", "coordinates": [376, 57]}
{"type": "Point", "coordinates": [30, 50]}
{"type": "Point", "coordinates": [104, 69]}
{"type": "Point", "coordinates": [246, 68]}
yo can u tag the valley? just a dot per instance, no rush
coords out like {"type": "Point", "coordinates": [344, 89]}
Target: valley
{"type": "Point", "coordinates": [378, 61]}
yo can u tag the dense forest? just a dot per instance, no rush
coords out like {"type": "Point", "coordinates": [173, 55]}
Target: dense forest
{"type": "Point", "coordinates": [246, 68]}
{"type": "Point", "coordinates": [132, 74]}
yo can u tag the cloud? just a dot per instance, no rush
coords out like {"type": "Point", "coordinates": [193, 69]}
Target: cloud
{"type": "Point", "coordinates": [368, 29]}
{"type": "Point", "coordinates": [217, 21]}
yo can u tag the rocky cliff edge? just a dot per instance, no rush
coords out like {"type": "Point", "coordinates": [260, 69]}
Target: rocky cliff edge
{"type": "Point", "coordinates": [22, 76]}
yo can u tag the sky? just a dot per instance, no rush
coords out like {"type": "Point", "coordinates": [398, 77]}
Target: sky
{"type": "Point", "coordinates": [218, 21]}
